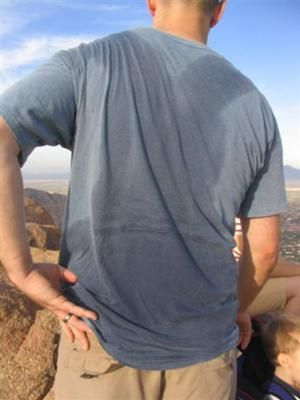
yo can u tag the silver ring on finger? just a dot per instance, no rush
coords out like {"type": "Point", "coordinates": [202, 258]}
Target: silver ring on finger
{"type": "Point", "coordinates": [67, 317]}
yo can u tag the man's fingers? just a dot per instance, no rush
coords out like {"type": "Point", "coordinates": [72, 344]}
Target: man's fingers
{"type": "Point", "coordinates": [68, 306]}
{"type": "Point", "coordinates": [244, 340]}
{"type": "Point", "coordinates": [66, 275]}
{"type": "Point", "coordinates": [61, 303]}
{"type": "Point", "coordinates": [73, 322]}
{"type": "Point", "coordinates": [68, 331]}
{"type": "Point", "coordinates": [73, 333]}
{"type": "Point", "coordinates": [82, 338]}
{"type": "Point", "coordinates": [79, 324]}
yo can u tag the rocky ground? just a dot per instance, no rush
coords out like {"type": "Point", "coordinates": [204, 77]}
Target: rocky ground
{"type": "Point", "coordinates": [290, 237]}
{"type": "Point", "coordinates": [29, 335]}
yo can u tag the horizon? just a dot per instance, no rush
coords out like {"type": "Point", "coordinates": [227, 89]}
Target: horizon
{"type": "Point", "coordinates": [38, 177]}
{"type": "Point", "coordinates": [30, 35]}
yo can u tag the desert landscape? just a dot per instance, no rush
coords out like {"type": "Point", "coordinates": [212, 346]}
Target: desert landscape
{"type": "Point", "coordinates": [29, 335]}
{"type": "Point", "coordinates": [290, 238]}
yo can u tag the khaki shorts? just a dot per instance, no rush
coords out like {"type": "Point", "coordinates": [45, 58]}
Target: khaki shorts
{"type": "Point", "coordinates": [95, 375]}
{"type": "Point", "coordinates": [272, 297]}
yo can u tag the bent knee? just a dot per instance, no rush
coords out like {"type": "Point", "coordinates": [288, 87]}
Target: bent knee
{"type": "Point", "coordinates": [292, 286]}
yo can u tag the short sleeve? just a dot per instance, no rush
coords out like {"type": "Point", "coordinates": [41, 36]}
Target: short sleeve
{"type": "Point", "coordinates": [266, 195]}
{"type": "Point", "coordinates": [40, 109]}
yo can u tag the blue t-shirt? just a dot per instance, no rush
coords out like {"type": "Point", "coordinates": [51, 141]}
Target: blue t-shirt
{"type": "Point", "coordinates": [169, 143]}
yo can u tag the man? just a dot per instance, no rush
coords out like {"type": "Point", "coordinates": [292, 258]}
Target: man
{"type": "Point", "coordinates": [169, 143]}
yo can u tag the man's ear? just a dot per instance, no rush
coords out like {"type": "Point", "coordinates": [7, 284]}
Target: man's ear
{"type": "Point", "coordinates": [152, 5]}
{"type": "Point", "coordinates": [217, 13]}
{"type": "Point", "coordinates": [284, 360]}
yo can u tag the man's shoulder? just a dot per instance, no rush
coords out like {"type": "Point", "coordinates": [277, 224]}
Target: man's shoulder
{"type": "Point", "coordinates": [80, 56]}
{"type": "Point", "coordinates": [106, 39]}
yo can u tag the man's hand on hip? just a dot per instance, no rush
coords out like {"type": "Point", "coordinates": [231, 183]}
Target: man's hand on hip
{"type": "Point", "coordinates": [43, 286]}
{"type": "Point", "coordinates": [245, 329]}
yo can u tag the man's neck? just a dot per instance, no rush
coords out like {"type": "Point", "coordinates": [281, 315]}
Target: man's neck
{"type": "Point", "coordinates": [192, 26]}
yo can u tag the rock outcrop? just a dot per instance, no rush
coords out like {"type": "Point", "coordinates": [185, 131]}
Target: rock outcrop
{"type": "Point", "coordinates": [44, 214]}
{"type": "Point", "coordinates": [36, 235]}
{"type": "Point", "coordinates": [35, 213]}
{"type": "Point", "coordinates": [43, 236]}
{"type": "Point", "coordinates": [52, 203]}
{"type": "Point", "coordinates": [29, 335]}
{"type": "Point", "coordinates": [29, 338]}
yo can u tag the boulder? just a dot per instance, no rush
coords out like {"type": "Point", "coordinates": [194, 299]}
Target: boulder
{"type": "Point", "coordinates": [52, 203]}
{"type": "Point", "coordinates": [43, 236]}
{"type": "Point", "coordinates": [53, 237]}
{"type": "Point", "coordinates": [35, 213]}
{"type": "Point", "coordinates": [37, 237]}
{"type": "Point", "coordinates": [29, 339]}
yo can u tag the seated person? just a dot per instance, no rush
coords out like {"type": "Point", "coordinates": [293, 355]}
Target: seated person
{"type": "Point", "coordinates": [281, 291]}
{"type": "Point", "coordinates": [281, 339]}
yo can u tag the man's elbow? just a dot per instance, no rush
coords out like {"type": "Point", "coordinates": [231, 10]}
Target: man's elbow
{"type": "Point", "coordinates": [8, 144]}
{"type": "Point", "coordinates": [267, 259]}
{"type": "Point", "coordinates": [262, 242]}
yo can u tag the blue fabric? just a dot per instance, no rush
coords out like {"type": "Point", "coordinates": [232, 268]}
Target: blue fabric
{"type": "Point", "coordinates": [169, 143]}
{"type": "Point", "coordinates": [280, 389]}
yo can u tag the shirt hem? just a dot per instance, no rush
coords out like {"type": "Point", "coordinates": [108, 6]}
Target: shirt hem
{"type": "Point", "coordinates": [164, 365]}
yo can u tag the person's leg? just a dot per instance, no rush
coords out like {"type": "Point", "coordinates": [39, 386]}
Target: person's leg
{"type": "Point", "coordinates": [272, 297]}
{"type": "Point", "coordinates": [215, 379]}
{"type": "Point", "coordinates": [95, 375]}
{"type": "Point", "coordinates": [292, 305]}
{"type": "Point", "coordinates": [278, 294]}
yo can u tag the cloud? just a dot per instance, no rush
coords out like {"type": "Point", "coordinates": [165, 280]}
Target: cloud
{"type": "Point", "coordinates": [91, 6]}
{"type": "Point", "coordinates": [8, 79]}
{"type": "Point", "coordinates": [15, 15]}
{"type": "Point", "coordinates": [17, 62]}
{"type": "Point", "coordinates": [12, 21]}
{"type": "Point", "coordinates": [35, 50]}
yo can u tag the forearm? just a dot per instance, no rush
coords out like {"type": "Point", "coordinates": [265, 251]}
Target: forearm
{"type": "Point", "coordinates": [253, 274]}
{"type": "Point", "coordinates": [259, 256]}
{"type": "Point", "coordinates": [14, 249]}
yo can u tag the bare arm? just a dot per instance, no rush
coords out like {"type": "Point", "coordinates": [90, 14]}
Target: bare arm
{"type": "Point", "coordinates": [14, 250]}
{"type": "Point", "coordinates": [40, 282]}
{"type": "Point", "coordinates": [283, 267]}
{"type": "Point", "coordinates": [259, 257]}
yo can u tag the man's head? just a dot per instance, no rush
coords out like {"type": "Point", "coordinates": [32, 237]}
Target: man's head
{"type": "Point", "coordinates": [281, 338]}
{"type": "Point", "coordinates": [204, 5]}
{"type": "Point", "coordinates": [192, 18]}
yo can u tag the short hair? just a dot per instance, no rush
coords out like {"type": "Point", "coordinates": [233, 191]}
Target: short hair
{"type": "Point", "coordinates": [277, 335]}
{"type": "Point", "coordinates": [204, 5]}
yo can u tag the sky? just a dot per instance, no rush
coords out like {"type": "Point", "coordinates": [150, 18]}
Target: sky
{"type": "Point", "coordinates": [260, 37]}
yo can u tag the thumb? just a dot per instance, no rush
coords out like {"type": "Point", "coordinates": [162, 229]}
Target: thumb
{"type": "Point", "coordinates": [66, 275]}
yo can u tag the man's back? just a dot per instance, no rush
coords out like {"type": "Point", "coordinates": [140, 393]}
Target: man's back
{"type": "Point", "coordinates": [169, 144]}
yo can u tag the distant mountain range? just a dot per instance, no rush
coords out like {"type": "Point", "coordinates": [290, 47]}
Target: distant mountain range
{"type": "Point", "coordinates": [291, 174]}
{"type": "Point", "coordinates": [45, 175]}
